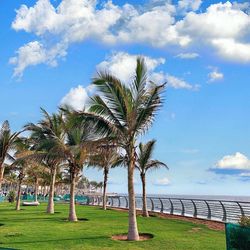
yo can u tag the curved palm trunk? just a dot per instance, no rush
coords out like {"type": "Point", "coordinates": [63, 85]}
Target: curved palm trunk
{"type": "Point", "coordinates": [50, 207]}
{"type": "Point", "coordinates": [104, 198]}
{"type": "Point", "coordinates": [144, 198]}
{"type": "Point", "coordinates": [36, 189]}
{"type": "Point", "coordinates": [132, 229]}
{"type": "Point", "coordinates": [72, 209]}
{"type": "Point", "coordinates": [2, 168]}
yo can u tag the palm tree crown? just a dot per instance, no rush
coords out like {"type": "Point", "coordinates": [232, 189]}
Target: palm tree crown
{"type": "Point", "coordinates": [144, 158]}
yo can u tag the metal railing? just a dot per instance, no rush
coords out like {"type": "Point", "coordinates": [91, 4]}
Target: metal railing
{"type": "Point", "coordinates": [216, 210]}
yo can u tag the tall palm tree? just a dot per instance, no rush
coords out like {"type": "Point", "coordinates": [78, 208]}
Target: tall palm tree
{"type": "Point", "coordinates": [126, 111]}
{"type": "Point", "coordinates": [106, 158]}
{"type": "Point", "coordinates": [20, 165]}
{"type": "Point", "coordinates": [144, 163]}
{"type": "Point", "coordinates": [49, 128]}
{"type": "Point", "coordinates": [7, 143]}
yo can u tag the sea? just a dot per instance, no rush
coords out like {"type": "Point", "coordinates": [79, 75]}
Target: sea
{"type": "Point", "coordinates": [202, 197]}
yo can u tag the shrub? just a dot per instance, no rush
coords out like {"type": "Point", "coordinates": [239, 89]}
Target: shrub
{"type": "Point", "coordinates": [244, 221]}
{"type": "Point", "coordinates": [11, 196]}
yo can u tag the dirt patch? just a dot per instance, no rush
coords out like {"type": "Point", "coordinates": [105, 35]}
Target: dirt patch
{"type": "Point", "coordinates": [214, 225]}
{"type": "Point", "coordinates": [123, 237]}
{"type": "Point", "coordinates": [194, 230]}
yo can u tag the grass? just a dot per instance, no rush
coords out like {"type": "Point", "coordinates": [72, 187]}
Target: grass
{"type": "Point", "coordinates": [32, 228]}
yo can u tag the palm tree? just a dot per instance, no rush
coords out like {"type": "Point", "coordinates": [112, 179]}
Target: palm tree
{"type": "Point", "coordinates": [144, 163]}
{"type": "Point", "coordinates": [7, 142]}
{"type": "Point", "coordinates": [49, 128]}
{"type": "Point", "coordinates": [35, 171]}
{"type": "Point", "coordinates": [106, 158]}
{"type": "Point", "coordinates": [69, 145]}
{"type": "Point", "coordinates": [126, 111]}
{"type": "Point", "coordinates": [20, 165]}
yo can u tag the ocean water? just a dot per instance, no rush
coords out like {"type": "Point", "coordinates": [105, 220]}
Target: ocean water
{"type": "Point", "coordinates": [204, 197]}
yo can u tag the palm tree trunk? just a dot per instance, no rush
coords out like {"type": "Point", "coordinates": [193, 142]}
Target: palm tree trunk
{"type": "Point", "coordinates": [144, 198]}
{"type": "Point", "coordinates": [50, 207]}
{"type": "Point", "coordinates": [2, 168]}
{"type": "Point", "coordinates": [104, 198]}
{"type": "Point", "coordinates": [36, 189]}
{"type": "Point", "coordinates": [18, 201]}
{"type": "Point", "coordinates": [72, 208]}
{"type": "Point", "coordinates": [132, 229]}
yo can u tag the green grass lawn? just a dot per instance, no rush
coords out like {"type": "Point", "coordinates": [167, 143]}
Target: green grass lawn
{"type": "Point", "coordinates": [32, 228]}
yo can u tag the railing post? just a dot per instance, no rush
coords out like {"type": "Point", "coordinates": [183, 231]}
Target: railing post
{"type": "Point", "coordinates": [241, 209]}
{"type": "Point", "coordinates": [208, 210]}
{"type": "Point", "coordinates": [126, 201]}
{"type": "Point", "coordinates": [152, 204]}
{"type": "Point", "coordinates": [171, 207]}
{"type": "Point", "coordinates": [182, 208]}
{"type": "Point", "coordinates": [224, 212]}
{"type": "Point", "coordinates": [162, 209]}
{"type": "Point", "coordinates": [195, 209]}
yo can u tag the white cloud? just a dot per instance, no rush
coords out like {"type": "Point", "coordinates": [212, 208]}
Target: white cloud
{"type": "Point", "coordinates": [187, 5]}
{"type": "Point", "coordinates": [34, 53]}
{"type": "Point", "coordinates": [187, 55]}
{"type": "Point", "coordinates": [72, 21]}
{"type": "Point", "coordinates": [225, 27]}
{"type": "Point", "coordinates": [178, 83]}
{"type": "Point", "coordinates": [232, 50]}
{"type": "Point", "coordinates": [154, 26]}
{"type": "Point", "coordinates": [123, 66]}
{"type": "Point", "coordinates": [221, 23]}
{"type": "Point", "coordinates": [76, 98]}
{"type": "Point", "coordinates": [162, 182]}
{"type": "Point", "coordinates": [237, 161]}
{"type": "Point", "coordinates": [215, 75]}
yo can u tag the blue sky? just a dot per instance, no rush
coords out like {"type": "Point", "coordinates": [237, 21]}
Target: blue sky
{"type": "Point", "coordinates": [49, 51]}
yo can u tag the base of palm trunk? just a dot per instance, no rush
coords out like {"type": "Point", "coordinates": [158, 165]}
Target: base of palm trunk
{"type": "Point", "coordinates": [72, 218]}
{"type": "Point", "coordinates": [50, 212]}
{"type": "Point", "coordinates": [145, 214]}
{"type": "Point", "coordinates": [124, 237]}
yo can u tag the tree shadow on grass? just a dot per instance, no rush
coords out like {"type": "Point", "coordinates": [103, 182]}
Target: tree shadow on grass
{"type": "Point", "coordinates": [7, 248]}
{"type": "Point", "coordinates": [52, 219]}
{"type": "Point", "coordinates": [59, 240]}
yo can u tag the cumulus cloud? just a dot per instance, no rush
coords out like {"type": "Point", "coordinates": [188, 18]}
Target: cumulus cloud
{"type": "Point", "coordinates": [76, 98]}
{"type": "Point", "coordinates": [34, 53]}
{"type": "Point", "coordinates": [224, 27]}
{"type": "Point", "coordinates": [154, 26]}
{"type": "Point", "coordinates": [178, 83]}
{"type": "Point", "coordinates": [215, 75]}
{"type": "Point", "coordinates": [187, 5]}
{"type": "Point", "coordinates": [221, 23]}
{"type": "Point", "coordinates": [187, 55]}
{"type": "Point", "coordinates": [162, 182]}
{"type": "Point", "coordinates": [232, 50]}
{"type": "Point", "coordinates": [123, 65]}
{"type": "Point", "coordinates": [238, 161]}
{"type": "Point", "coordinates": [71, 21]}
